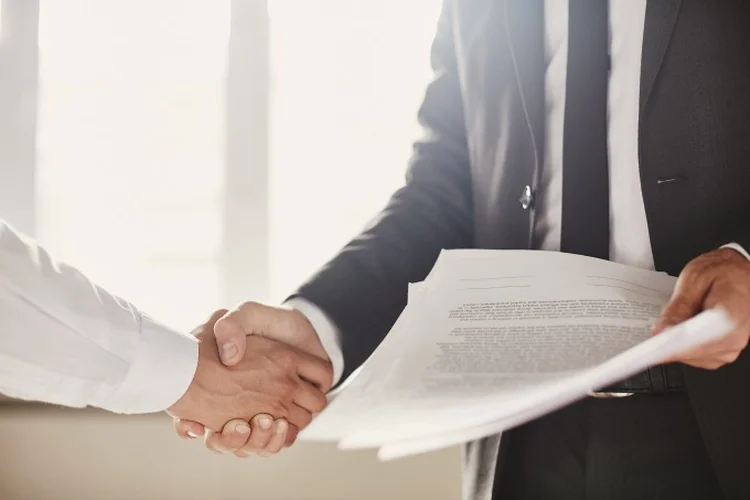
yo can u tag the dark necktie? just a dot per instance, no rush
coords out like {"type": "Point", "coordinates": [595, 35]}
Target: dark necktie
{"type": "Point", "coordinates": [585, 207]}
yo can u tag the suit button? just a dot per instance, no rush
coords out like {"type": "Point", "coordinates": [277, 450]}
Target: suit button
{"type": "Point", "coordinates": [527, 197]}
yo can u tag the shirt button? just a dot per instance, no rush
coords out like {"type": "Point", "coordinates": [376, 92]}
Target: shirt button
{"type": "Point", "coordinates": [527, 197]}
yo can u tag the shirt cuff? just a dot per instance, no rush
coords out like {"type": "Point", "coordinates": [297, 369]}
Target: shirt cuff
{"type": "Point", "coordinates": [328, 333]}
{"type": "Point", "coordinates": [160, 374]}
{"type": "Point", "coordinates": [737, 247]}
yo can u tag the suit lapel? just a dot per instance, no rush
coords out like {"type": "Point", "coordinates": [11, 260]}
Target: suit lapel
{"type": "Point", "coordinates": [661, 16]}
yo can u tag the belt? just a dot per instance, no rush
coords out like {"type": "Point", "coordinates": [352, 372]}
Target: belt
{"type": "Point", "coordinates": [656, 380]}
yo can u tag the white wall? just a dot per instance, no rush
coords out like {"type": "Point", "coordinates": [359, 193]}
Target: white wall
{"type": "Point", "coordinates": [49, 453]}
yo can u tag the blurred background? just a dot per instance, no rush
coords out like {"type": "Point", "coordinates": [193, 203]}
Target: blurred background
{"type": "Point", "coordinates": [188, 155]}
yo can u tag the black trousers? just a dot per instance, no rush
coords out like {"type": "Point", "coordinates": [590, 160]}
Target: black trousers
{"type": "Point", "coordinates": [643, 447]}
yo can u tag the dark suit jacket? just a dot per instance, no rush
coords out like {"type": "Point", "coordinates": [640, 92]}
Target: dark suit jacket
{"type": "Point", "coordinates": [483, 119]}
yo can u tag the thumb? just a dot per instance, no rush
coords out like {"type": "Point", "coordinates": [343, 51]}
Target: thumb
{"type": "Point", "coordinates": [686, 302]}
{"type": "Point", "coordinates": [231, 329]}
{"type": "Point", "coordinates": [230, 338]}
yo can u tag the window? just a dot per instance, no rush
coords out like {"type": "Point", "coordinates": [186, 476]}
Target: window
{"type": "Point", "coordinates": [133, 171]}
{"type": "Point", "coordinates": [348, 77]}
{"type": "Point", "coordinates": [130, 141]}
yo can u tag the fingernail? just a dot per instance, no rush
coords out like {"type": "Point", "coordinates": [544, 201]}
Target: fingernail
{"type": "Point", "coordinates": [228, 352]}
{"type": "Point", "coordinates": [192, 435]}
{"type": "Point", "coordinates": [242, 428]}
{"type": "Point", "coordinates": [264, 422]}
{"type": "Point", "coordinates": [281, 427]}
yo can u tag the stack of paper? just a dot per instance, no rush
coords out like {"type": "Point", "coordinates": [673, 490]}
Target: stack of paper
{"type": "Point", "coordinates": [493, 339]}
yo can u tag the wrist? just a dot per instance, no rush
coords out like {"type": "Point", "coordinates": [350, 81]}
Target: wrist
{"type": "Point", "coordinates": [311, 343]}
{"type": "Point", "coordinates": [326, 332]}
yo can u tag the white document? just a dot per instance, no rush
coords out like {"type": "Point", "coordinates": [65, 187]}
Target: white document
{"type": "Point", "coordinates": [493, 339]}
{"type": "Point", "coordinates": [702, 328]}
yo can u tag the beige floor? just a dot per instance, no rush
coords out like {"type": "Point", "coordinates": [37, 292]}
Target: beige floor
{"type": "Point", "coordinates": [55, 454]}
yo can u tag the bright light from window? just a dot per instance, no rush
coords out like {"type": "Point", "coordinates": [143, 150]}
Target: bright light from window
{"type": "Point", "coordinates": [131, 136]}
{"type": "Point", "coordinates": [348, 76]}
{"type": "Point", "coordinates": [131, 145]}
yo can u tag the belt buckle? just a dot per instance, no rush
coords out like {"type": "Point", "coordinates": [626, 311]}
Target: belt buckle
{"type": "Point", "coordinates": [609, 395]}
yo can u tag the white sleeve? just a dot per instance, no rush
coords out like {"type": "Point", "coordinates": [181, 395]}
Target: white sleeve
{"type": "Point", "coordinates": [65, 340]}
{"type": "Point", "coordinates": [328, 333]}
{"type": "Point", "coordinates": [737, 247]}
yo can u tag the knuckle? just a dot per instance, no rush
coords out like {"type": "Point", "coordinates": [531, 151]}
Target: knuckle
{"type": "Point", "coordinates": [679, 310]}
{"type": "Point", "coordinates": [694, 269]}
{"type": "Point", "coordinates": [682, 307]}
{"type": "Point", "coordinates": [235, 316]}
{"type": "Point", "coordinates": [247, 306]}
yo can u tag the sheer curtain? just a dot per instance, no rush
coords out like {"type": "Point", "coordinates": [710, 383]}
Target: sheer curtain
{"type": "Point", "coordinates": [131, 138]}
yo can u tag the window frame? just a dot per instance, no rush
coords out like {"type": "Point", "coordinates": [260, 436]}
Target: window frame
{"type": "Point", "coordinates": [246, 233]}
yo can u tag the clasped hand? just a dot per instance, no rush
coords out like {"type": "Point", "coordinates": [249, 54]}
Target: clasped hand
{"type": "Point", "coordinates": [718, 279]}
{"type": "Point", "coordinates": [269, 379]}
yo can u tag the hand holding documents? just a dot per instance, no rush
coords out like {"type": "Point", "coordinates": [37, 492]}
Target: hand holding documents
{"type": "Point", "coordinates": [493, 339]}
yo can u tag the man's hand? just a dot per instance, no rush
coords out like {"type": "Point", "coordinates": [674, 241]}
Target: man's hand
{"type": "Point", "coordinates": [272, 378]}
{"type": "Point", "coordinates": [251, 318]}
{"type": "Point", "coordinates": [263, 436]}
{"type": "Point", "coordinates": [717, 279]}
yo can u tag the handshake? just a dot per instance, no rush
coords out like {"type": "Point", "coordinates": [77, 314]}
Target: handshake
{"type": "Point", "coordinates": [262, 375]}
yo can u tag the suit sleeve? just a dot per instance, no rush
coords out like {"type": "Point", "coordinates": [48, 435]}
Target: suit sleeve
{"type": "Point", "coordinates": [364, 288]}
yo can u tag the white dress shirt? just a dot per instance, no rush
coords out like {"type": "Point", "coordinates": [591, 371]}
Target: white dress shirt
{"type": "Point", "coordinates": [629, 238]}
{"type": "Point", "coordinates": [630, 243]}
{"type": "Point", "coordinates": [65, 340]}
